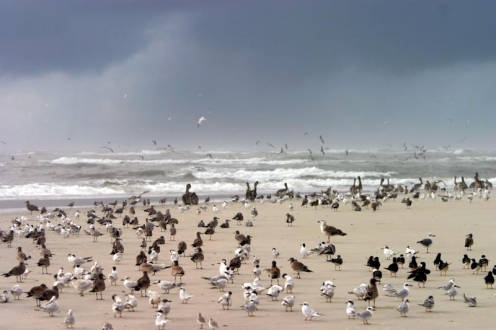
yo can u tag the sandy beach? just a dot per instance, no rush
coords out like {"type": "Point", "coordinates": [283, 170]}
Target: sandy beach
{"type": "Point", "coordinates": [367, 231]}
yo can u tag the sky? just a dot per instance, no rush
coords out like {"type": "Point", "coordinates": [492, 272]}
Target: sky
{"type": "Point", "coordinates": [78, 75]}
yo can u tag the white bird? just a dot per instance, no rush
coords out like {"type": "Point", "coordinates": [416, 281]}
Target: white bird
{"type": "Point", "coordinates": [166, 285]}
{"type": "Point", "coordinates": [153, 256]}
{"type": "Point", "coordinates": [350, 309]}
{"type": "Point", "coordinates": [275, 253]}
{"type": "Point", "coordinates": [225, 300]}
{"type": "Point", "coordinates": [360, 291]}
{"type": "Point", "coordinates": [250, 307]}
{"type": "Point", "coordinates": [131, 302]}
{"type": "Point", "coordinates": [452, 293]}
{"type": "Point", "coordinates": [71, 258]}
{"type": "Point", "coordinates": [129, 283]}
{"type": "Point", "coordinates": [366, 315]}
{"type": "Point", "coordinates": [160, 320]}
{"type": "Point", "coordinates": [164, 306]}
{"type": "Point", "coordinates": [288, 283]}
{"type": "Point", "coordinates": [184, 296]}
{"type": "Point", "coordinates": [78, 271]}
{"type": "Point", "coordinates": [403, 307]}
{"type": "Point", "coordinates": [304, 252]}
{"type": "Point", "coordinates": [201, 120]}
{"type": "Point", "coordinates": [327, 290]}
{"type": "Point", "coordinates": [117, 305]}
{"type": "Point", "coordinates": [449, 285]}
{"type": "Point", "coordinates": [4, 296]}
{"type": "Point", "coordinates": [16, 291]}
{"type": "Point", "coordinates": [113, 276]}
{"type": "Point", "coordinates": [388, 253]}
{"type": "Point", "coordinates": [257, 271]}
{"type": "Point", "coordinates": [82, 285]}
{"type": "Point", "coordinates": [288, 302]}
{"type": "Point", "coordinates": [51, 307]}
{"type": "Point", "coordinates": [403, 293]}
{"type": "Point", "coordinates": [69, 319]}
{"type": "Point", "coordinates": [117, 257]}
{"type": "Point", "coordinates": [410, 251]}
{"type": "Point", "coordinates": [274, 291]}
{"type": "Point", "coordinates": [308, 312]}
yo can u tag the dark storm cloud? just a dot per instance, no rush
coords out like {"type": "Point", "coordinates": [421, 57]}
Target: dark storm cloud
{"type": "Point", "coordinates": [72, 36]}
{"type": "Point", "coordinates": [355, 71]}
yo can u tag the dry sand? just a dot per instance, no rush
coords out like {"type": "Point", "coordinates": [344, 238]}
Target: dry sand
{"type": "Point", "coordinates": [368, 231]}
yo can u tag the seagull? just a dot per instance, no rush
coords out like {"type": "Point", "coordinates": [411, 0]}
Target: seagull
{"type": "Point", "coordinates": [428, 303]}
{"type": "Point", "coordinates": [275, 253]}
{"type": "Point", "coordinates": [427, 241]}
{"type": "Point", "coordinates": [16, 291]}
{"type": "Point", "coordinates": [69, 319]}
{"type": "Point", "coordinates": [184, 296]}
{"type": "Point", "coordinates": [470, 301]}
{"type": "Point", "coordinates": [274, 291]}
{"type": "Point", "coordinates": [288, 302]}
{"type": "Point", "coordinates": [366, 315]}
{"type": "Point", "coordinates": [403, 293]}
{"type": "Point", "coordinates": [250, 307]}
{"type": "Point", "coordinates": [201, 120]}
{"type": "Point", "coordinates": [304, 251]}
{"type": "Point", "coordinates": [388, 253]}
{"type": "Point", "coordinates": [288, 283]}
{"type": "Point", "coordinates": [452, 293]}
{"type": "Point", "coordinates": [449, 285]}
{"type": "Point", "coordinates": [225, 300]}
{"type": "Point", "coordinates": [51, 306]}
{"type": "Point", "coordinates": [403, 307]}
{"type": "Point", "coordinates": [160, 320]}
{"type": "Point", "coordinates": [350, 309]}
{"type": "Point", "coordinates": [308, 312]}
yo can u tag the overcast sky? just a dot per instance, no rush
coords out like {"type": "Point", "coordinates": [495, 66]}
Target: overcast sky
{"type": "Point", "coordinates": [81, 74]}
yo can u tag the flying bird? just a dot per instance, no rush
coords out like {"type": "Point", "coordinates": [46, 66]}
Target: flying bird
{"type": "Point", "coordinates": [201, 120]}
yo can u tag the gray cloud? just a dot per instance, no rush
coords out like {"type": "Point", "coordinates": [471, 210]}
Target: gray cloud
{"type": "Point", "coordinates": [361, 73]}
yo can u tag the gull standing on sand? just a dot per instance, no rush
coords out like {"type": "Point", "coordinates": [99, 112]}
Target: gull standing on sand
{"type": "Point", "coordinates": [184, 296]}
{"type": "Point", "coordinates": [403, 307]}
{"type": "Point", "coordinates": [288, 283]}
{"type": "Point", "coordinates": [403, 293]}
{"type": "Point", "coordinates": [225, 300]}
{"type": "Point", "coordinates": [350, 309]}
{"type": "Point", "coordinates": [69, 319]}
{"type": "Point", "coordinates": [288, 303]}
{"type": "Point", "coordinates": [250, 307]}
{"type": "Point", "coordinates": [16, 291]}
{"type": "Point", "coordinates": [366, 315]}
{"type": "Point", "coordinates": [160, 320]}
{"type": "Point", "coordinates": [304, 252]}
{"type": "Point", "coordinates": [51, 307]}
{"type": "Point", "coordinates": [452, 293]}
{"type": "Point", "coordinates": [308, 312]}
{"type": "Point", "coordinates": [428, 303]}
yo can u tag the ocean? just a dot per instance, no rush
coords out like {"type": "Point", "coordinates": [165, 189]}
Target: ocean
{"type": "Point", "coordinates": [58, 177]}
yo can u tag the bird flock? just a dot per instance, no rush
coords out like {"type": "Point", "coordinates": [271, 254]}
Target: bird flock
{"type": "Point", "coordinates": [142, 268]}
